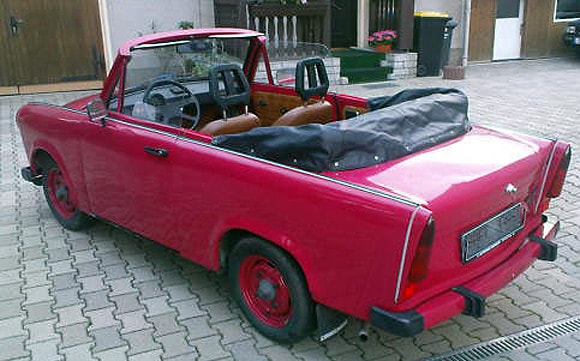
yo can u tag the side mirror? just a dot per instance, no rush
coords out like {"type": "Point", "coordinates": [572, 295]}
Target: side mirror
{"type": "Point", "coordinates": [97, 111]}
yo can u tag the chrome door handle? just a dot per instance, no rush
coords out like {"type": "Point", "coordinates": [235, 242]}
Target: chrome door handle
{"type": "Point", "coordinates": [159, 152]}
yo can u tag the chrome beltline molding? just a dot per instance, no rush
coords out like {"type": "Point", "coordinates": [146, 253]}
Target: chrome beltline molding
{"type": "Point", "coordinates": [301, 171]}
{"type": "Point", "coordinates": [404, 253]}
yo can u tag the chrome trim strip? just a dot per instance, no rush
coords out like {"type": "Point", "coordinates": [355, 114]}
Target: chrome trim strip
{"type": "Point", "coordinates": [548, 166]}
{"type": "Point", "coordinates": [404, 254]}
{"type": "Point", "coordinates": [266, 161]}
{"type": "Point", "coordinates": [57, 106]}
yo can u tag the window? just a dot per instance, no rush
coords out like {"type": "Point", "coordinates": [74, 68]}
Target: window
{"type": "Point", "coordinates": [567, 10]}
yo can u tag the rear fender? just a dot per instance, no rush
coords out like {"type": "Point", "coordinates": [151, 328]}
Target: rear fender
{"type": "Point", "coordinates": [264, 231]}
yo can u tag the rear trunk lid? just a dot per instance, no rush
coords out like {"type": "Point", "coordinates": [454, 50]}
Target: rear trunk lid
{"type": "Point", "coordinates": [466, 183]}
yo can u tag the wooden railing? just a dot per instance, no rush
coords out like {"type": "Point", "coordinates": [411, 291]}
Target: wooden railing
{"type": "Point", "coordinates": [281, 23]}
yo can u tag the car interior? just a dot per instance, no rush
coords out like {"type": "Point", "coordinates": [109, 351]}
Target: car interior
{"type": "Point", "coordinates": [222, 100]}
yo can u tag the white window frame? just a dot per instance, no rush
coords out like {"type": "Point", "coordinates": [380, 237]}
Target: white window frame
{"type": "Point", "coordinates": [560, 20]}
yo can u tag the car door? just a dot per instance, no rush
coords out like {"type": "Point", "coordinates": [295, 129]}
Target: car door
{"type": "Point", "coordinates": [128, 171]}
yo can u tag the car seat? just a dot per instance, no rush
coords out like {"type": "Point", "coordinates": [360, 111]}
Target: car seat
{"type": "Point", "coordinates": [229, 87]}
{"type": "Point", "coordinates": [314, 71]}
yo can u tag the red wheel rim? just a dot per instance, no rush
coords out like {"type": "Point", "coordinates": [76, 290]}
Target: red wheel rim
{"type": "Point", "coordinates": [265, 291]}
{"type": "Point", "coordinates": [58, 192]}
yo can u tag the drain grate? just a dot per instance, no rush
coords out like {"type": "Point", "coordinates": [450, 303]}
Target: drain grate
{"type": "Point", "coordinates": [518, 340]}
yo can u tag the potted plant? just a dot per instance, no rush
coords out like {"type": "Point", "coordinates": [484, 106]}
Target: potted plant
{"type": "Point", "coordinates": [383, 40]}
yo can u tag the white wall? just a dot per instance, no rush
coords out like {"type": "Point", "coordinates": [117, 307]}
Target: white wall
{"type": "Point", "coordinates": [123, 20]}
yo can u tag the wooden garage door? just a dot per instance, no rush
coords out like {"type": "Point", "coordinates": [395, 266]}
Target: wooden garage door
{"type": "Point", "coordinates": [481, 30]}
{"type": "Point", "coordinates": [49, 41]}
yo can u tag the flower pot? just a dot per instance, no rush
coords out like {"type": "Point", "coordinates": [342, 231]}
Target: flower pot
{"type": "Point", "coordinates": [383, 48]}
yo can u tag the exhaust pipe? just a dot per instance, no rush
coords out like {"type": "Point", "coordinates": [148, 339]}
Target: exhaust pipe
{"type": "Point", "coordinates": [363, 334]}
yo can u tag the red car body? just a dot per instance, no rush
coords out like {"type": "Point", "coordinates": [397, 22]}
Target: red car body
{"type": "Point", "coordinates": [380, 243]}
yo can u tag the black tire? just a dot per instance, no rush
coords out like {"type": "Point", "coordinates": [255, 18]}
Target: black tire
{"type": "Point", "coordinates": [259, 257]}
{"type": "Point", "coordinates": [61, 203]}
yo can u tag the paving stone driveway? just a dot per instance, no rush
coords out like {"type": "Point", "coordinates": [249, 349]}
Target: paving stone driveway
{"type": "Point", "coordinates": [104, 294]}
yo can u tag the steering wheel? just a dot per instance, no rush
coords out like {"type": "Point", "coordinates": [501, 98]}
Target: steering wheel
{"type": "Point", "coordinates": [173, 109]}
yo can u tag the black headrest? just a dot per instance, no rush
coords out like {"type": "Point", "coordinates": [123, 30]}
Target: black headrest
{"type": "Point", "coordinates": [228, 85]}
{"type": "Point", "coordinates": [314, 70]}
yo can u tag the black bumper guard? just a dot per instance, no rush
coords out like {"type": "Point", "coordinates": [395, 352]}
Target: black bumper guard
{"type": "Point", "coordinates": [549, 248]}
{"type": "Point", "coordinates": [474, 302]}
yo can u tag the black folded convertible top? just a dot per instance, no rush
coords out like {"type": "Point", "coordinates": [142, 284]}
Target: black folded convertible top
{"type": "Point", "coordinates": [396, 126]}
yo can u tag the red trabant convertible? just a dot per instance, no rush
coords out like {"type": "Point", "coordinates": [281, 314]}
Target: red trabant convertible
{"type": "Point", "coordinates": [394, 210]}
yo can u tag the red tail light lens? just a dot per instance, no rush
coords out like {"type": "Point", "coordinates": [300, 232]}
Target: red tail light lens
{"type": "Point", "coordinates": [420, 264]}
{"type": "Point", "coordinates": [558, 182]}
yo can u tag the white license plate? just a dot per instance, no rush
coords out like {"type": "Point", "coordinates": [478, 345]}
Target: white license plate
{"type": "Point", "coordinates": [492, 232]}
{"type": "Point", "coordinates": [577, 41]}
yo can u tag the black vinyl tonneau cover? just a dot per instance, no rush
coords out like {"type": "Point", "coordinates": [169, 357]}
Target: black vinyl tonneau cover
{"type": "Point", "coordinates": [396, 126]}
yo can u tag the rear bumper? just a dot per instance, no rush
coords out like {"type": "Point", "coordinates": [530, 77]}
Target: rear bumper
{"type": "Point", "coordinates": [469, 298]}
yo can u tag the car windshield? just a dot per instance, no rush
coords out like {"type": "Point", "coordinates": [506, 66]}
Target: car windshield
{"type": "Point", "coordinates": [182, 61]}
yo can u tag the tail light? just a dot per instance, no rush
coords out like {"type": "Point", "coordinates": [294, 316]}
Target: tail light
{"type": "Point", "coordinates": [420, 264]}
{"type": "Point", "coordinates": [558, 181]}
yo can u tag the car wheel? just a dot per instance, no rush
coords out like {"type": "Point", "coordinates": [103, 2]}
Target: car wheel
{"type": "Point", "coordinates": [271, 291]}
{"type": "Point", "coordinates": [61, 202]}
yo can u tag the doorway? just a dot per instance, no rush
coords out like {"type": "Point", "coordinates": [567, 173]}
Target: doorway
{"type": "Point", "coordinates": [509, 19]}
{"type": "Point", "coordinates": [49, 41]}
{"type": "Point", "coordinates": [344, 23]}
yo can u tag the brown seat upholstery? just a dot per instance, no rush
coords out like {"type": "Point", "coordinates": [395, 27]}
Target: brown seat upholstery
{"type": "Point", "coordinates": [311, 82]}
{"type": "Point", "coordinates": [237, 124]}
{"type": "Point", "coordinates": [320, 112]}
{"type": "Point", "coordinates": [229, 87]}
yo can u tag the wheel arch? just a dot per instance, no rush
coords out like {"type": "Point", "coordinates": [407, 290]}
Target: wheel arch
{"type": "Point", "coordinates": [43, 153]}
{"type": "Point", "coordinates": [233, 235]}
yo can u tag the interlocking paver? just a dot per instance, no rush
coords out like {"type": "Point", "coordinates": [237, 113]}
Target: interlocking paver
{"type": "Point", "coordinates": [165, 324]}
{"type": "Point", "coordinates": [12, 348]}
{"type": "Point", "coordinates": [96, 300]}
{"type": "Point", "coordinates": [157, 306]}
{"type": "Point", "coordinates": [121, 286]}
{"type": "Point", "coordinates": [79, 352]}
{"type": "Point", "coordinates": [91, 284]}
{"type": "Point", "coordinates": [41, 311]}
{"type": "Point", "coordinates": [41, 331]}
{"type": "Point", "coordinates": [74, 335]}
{"type": "Point", "coordinates": [115, 354]}
{"type": "Point", "coordinates": [66, 297]}
{"type": "Point", "coordinates": [133, 321]}
{"type": "Point", "coordinates": [10, 308]}
{"type": "Point", "coordinates": [70, 315]}
{"type": "Point", "coordinates": [116, 271]}
{"type": "Point", "coordinates": [245, 350]}
{"type": "Point", "coordinates": [11, 291]}
{"type": "Point", "coordinates": [10, 263]}
{"type": "Point", "coordinates": [175, 344]}
{"type": "Point", "coordinates": [64, 281]}
{"type": "Point", "coordinates": [198, 327]}
{"type": "Point", "coordinates": [231, 331]}
{"type": "Point", "coordinates": [127, 303]}
{"type": "Point", "coordinates": [150, 289]}
{"type": "Point", "coordinates": [47, 350]}
{"type": "Point", "coordinates": [10, 327]}
{"type": "Point", "coordinates": [141, 341]}
{"type": "Point", "coordinates": [209, 348]}
{"type": "Point", "coordinates": [88, 269]}
{"type": "Point", "coordinates": [188, 308]}
{"type": "Point", "coordinates": [107, 338]}
{"type": "Point", "coordinates": [102, 318]}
